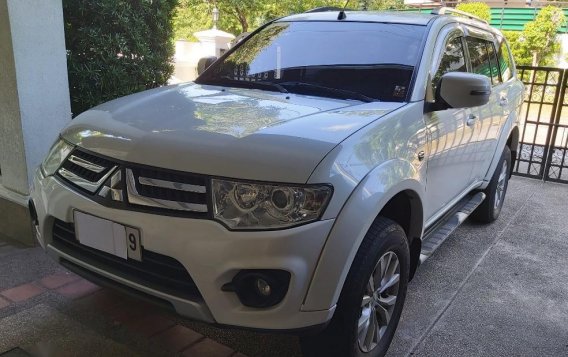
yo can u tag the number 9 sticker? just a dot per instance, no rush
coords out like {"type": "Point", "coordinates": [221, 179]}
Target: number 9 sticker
{"type": "Point", "coordinates": [133, 247]}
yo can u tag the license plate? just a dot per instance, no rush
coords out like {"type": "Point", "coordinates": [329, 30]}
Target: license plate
{"type": "Point", "coordinates": [108, 236]}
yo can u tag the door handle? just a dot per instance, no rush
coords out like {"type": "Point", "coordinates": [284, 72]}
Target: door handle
{"type": "Point", "coordinates": [503, 101]}
{"type": "Point", "coordinates": [471, 119]}
{"type": "Point", "coordinates": [421, 155]}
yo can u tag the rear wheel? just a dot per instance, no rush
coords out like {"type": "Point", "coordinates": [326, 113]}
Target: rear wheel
{"type": "Point", "coordinates": [371, 300]}
{"type": "Point", "coordinates": [495, 193]}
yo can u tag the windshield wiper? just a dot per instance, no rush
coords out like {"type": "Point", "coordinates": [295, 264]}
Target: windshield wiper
{"type": "Point", "coordinates": [248, 84]}
{"type": "Point", "coordinates": [342, 93]}
{"type": "Point", "coordinates": [271, 84]}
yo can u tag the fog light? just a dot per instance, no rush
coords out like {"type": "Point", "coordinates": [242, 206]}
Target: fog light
{"type": "Point", "coordinates": [259, 288]}
{"type": "Point", "coordinates": [263, 287]}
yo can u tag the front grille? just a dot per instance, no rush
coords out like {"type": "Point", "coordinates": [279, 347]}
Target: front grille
{"type": "Point", "coordinates": [169, 192]}
{"type": "Point", "coordinates": [157, 271]}
{"type": "Point", "coordinates": [85, 170]}
{"type": "Point", "coordinates": [165, 190]}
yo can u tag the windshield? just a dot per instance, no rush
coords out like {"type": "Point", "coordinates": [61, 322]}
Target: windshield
{"type": "Point", "coordinates": [349, 60]}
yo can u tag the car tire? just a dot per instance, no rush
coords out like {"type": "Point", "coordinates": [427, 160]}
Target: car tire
{"type": "Point", "coordinates": [384, 245]}
{"type": "Point", "coordinates": [490, 209]}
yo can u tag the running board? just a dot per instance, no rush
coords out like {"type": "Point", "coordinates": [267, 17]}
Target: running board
{"type": "Point", "coordinates": [440, 231]}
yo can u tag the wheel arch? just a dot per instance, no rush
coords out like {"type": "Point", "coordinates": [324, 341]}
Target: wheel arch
{"type": "Point", "coordinates": [405, 208]}
{"type": "Point", "coordinates": [386, 190]}
{"type": "Point", "coordinates": [513, 144]}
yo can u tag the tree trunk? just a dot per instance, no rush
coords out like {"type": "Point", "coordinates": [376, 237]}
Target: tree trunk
{"type": "Point", "coordinates": [242, 19]}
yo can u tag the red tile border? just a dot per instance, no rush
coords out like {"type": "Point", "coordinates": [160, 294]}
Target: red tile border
{"type": "Point", "coordinates": [22, 292]}
{"type": "Point", "coordinates": [177, 338]}
{"type": "Point", "coordinates": [124, 313]}
{"type": "Point", "coordinates": [209, 348]}
{"type": "Point", "coordinates": [3, 303]}
{"type": "Point", "coordinates": [78, 289]}
{"type": "Point", "coordinates": [103, 300]}
{"type": "Point", "coordinates": [57, 280]}
{"type": "Point", "coordinates": [149, 325]}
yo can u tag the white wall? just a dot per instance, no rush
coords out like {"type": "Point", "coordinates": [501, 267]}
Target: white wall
{"type": "Point", "coordinates": [34, 90]}
{"type": "Point", "coordinates": [186, 58]}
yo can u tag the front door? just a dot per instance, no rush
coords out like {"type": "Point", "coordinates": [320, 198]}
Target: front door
{"type": "Point", "coordinates": [452, 135]}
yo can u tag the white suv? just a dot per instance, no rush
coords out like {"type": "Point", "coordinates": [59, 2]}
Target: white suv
{"type": "Point", "coordinates": [299, 182]}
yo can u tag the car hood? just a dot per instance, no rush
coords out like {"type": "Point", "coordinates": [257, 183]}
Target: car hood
{"type": "Point", "coordinates": [230, 132]}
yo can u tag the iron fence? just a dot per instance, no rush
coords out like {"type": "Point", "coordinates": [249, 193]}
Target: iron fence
{"type": "Point", "coordinates": [543, 143]}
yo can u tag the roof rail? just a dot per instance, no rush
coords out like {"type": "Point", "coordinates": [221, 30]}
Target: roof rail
{"type": "Point", "coordinates": [323, 9]}
{"type": "Point", "coordinates": [448, 10]}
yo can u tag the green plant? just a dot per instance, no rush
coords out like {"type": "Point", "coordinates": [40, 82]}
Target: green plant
{"type": "Point", "coordinates": [479, 9]}
{"type": "Point", "coordinates": [116, 47]}
{"type": "Point", "coordinates": [239, 16]}
{"type": "Point", "coordinates": [537, 44]}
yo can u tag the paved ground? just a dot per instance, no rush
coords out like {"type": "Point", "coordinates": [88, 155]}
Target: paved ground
{"type": "Point", "coordinates": [498, 290]}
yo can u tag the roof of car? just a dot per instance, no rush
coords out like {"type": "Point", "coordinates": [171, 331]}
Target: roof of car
{"type": "Point", "coordinates": [400, 17]}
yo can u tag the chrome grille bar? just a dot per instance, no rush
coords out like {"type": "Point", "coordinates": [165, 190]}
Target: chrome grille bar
{"type": "Point", "coordinates": [171, 185]}
{"type": "Point", "coordinates": [86, 164]}
{"type": "Point", "coordinates": [84, 183]}
{"type": "Point", "coordinates": [134, 197]}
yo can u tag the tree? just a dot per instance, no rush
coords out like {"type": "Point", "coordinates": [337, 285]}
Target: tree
{"type": "Point", "coordinates": [238, 16]}
{"type": "Point", "coordinates": [479, 9]}
{"type": "Point", "coordinates": [116, 47]}
{"type": "Point", "coordinates": [537, 44]}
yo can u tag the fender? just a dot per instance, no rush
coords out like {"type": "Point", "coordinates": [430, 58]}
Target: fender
{"type": "Point", "coordinates": [511, 123]}
{"type": "Point", "coordinates": [353, 222]}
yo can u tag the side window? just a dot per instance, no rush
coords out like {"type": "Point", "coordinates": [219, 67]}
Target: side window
{"type": "Point", "coordinates": [453, 60]}
{"type": "Point", "coordinates": [505, 65]}
{"type": "Point", "coordinates": [479, 56]}
{"type": "Point", "coordinates": [483, 58]}
{"type": "Point", "coordinates": [495, 75]}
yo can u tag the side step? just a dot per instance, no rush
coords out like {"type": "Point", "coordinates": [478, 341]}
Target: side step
{"type": "Point", "coordinates": [441, 230]}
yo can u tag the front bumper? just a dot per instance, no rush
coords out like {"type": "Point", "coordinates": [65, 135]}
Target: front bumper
{"type": "Point", "coordinates": [211, 254]}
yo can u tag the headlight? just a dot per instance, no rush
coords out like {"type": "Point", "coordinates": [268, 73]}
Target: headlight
{"type": "Point", "coordinates": [247, 205]}
{"type": "Point", "coordinates": [57, 154]}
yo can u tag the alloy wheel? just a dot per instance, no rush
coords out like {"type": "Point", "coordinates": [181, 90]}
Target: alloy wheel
{"type": "Point", "coordinates": [501, 185]}
{"type": "Point", "coordinates": [379, 301]}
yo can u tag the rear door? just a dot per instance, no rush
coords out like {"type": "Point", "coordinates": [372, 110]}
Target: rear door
{"type": "Point", "coordinates": [451, 153]}
{"type": "Point", "coordinates": [489, 118]}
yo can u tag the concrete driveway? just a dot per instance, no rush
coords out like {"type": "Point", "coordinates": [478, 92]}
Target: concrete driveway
{"type": "Point", "coordinates": [497, 290]}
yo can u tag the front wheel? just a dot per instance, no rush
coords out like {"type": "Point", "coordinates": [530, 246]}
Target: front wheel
{"type": "Point", "coordinates": [490, 209]}
{"type": "Point", "coordinates": [372, 298]}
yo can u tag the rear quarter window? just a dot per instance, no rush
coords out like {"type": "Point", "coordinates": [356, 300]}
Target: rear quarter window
{"type": "Point", "coordinates": [505, 61]}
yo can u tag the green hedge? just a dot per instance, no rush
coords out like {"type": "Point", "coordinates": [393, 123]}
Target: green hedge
{"type": "Point", "coordinates": [116, 47]}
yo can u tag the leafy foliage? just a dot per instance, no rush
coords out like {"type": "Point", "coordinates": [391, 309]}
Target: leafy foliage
{"type": "Point", "coordinates": [479, 9]}
{"type": "Point", "coordinates": [537, 44]}
{"type": "Point", "coordinates": [238, 16]}
{"type": "Point", "coordinates": [116, 47]}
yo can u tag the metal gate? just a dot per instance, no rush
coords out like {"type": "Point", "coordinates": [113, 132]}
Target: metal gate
{"type": "Point", "coordinates": [543, 143]}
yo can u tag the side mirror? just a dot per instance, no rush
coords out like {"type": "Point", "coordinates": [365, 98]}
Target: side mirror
{"type": "Point", "coordinates": [204, 63]}
{"type": "Point", "coordinates": [463, 90]}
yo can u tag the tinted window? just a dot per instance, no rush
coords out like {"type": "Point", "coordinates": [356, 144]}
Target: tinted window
{"type": "Point", "coordinates": [505, 65]}
{"type": "Point", "coordinates": [479, 56]}
{"type": "Point", "coordinates": [495, 76]}
{"type": "Point", "coordinates": [373, 59]}
{"type": "Point", "coordinates": [453, 60]}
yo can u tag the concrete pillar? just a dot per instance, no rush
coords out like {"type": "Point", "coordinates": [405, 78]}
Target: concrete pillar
{"type": "Point", "coordinates": [34, 94]}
